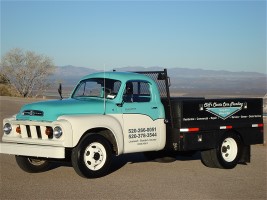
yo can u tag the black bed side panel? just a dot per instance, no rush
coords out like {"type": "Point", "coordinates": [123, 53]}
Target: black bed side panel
{"type": "Point", "coordinates": [213, 117]}
{"type": "Point", "coordinates": [214, 113]}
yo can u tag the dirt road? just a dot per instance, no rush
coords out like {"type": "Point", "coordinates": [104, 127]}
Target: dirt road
{"type": "Point", "coordinates": [133, 177]}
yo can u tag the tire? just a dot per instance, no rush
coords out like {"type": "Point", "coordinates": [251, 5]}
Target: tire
{"type": "Point", "coordinates": [227, 153]}
{"type": "Point", "coordinates": [32, 165]}
{"type": "Point", "coordinates": [207, 158]}
{"type": "Point", "coordinates": [91, 158]}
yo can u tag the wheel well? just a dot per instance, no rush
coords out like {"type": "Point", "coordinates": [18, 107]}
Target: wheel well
{"type": "Point", "coordinates": [106, 133]}
{"type": "Point", "coordinates": [238, 134]}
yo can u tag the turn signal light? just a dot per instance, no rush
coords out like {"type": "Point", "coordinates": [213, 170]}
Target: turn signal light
{"type": "Point", "coordinates": [48, 131]}
{"type": "Point", "coordinates": [18, 130]}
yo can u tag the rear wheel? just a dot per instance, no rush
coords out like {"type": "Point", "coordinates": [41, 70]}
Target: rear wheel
{"type": "Point", "coordinates": [32, 165]}
{"type": "Point", "coordinates": [92, 157]}
{"type": "Point", "coordinates": [226, 154]}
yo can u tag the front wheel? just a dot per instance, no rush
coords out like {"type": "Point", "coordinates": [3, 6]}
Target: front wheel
{"type": "Point", "coordinates": [91, 158]}
{"type": "Point", "coordinates": [32, 165]}
{"type": "Point", "coordinates": [227, 153]}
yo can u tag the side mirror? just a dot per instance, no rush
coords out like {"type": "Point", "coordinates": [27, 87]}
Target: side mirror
{"type": "Point", "coordinates": [60, 91]}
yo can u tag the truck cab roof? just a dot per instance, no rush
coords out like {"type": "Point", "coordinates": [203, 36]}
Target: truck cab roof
{"type": "Point", "coordinates": [122, 76]}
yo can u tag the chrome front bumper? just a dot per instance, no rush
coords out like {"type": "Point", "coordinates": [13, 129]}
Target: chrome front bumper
{"type": "Point", "coordinates": [32, 150]}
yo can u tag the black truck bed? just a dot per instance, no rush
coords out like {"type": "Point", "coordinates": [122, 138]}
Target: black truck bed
{"type": "Point", "coordinates": [213, 113]}
{"type": "Point", "coordinates": [190, 119]}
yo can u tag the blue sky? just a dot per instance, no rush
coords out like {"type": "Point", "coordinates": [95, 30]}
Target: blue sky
{"type": "Point", "coordinates": [219, 35]}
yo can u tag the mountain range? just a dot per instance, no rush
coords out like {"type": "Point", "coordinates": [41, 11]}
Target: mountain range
{"type": "Point", "coordinates": [184, 81]}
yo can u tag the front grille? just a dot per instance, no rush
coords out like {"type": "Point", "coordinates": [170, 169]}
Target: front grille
{"type": "Point", "coordinates": [28, 131]}
{"type": "Point", "coordinates": [39, 133]}
{"type": "Point", "coordinates": [33, 113]}
{"type": "Point", "coordinates": [34, 132]}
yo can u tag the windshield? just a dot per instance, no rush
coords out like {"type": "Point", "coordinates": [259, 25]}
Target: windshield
{"type": "Point", "coordinates": [97, 87]}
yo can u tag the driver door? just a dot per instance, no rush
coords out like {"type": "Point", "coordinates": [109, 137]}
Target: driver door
{"type": "Point", "coordinates": [140, 118]}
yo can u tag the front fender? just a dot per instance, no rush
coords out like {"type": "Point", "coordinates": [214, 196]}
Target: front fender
{"type": "Point", "coordinates": [82, 123]}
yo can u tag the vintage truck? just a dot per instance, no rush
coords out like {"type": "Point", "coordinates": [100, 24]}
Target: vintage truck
{"type": "Point", "coordinates": [114, 113]}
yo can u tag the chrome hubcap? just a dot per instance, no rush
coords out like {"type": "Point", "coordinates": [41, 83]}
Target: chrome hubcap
{"type": "Point", "coordinates": [95, 156]}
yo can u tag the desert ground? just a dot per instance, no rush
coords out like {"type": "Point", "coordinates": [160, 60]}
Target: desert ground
{"type": "Point", "coordinates": [133, 177]}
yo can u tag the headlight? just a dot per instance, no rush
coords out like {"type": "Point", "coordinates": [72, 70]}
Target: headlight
{"type": "Point", "coordinates": [7, 128]}
{"type": "Point", "coordinates": [57, 132]}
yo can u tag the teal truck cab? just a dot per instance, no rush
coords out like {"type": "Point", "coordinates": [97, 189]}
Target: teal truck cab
{"type": "Point", "coordinates": [114, 113]}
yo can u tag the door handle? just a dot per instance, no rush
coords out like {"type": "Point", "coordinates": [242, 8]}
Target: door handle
{"type": "Point", "coordinates": [154, 107]}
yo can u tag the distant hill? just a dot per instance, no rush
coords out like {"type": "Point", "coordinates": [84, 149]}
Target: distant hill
{"type": "Point", "coordinates": [70, 75]}
{"type": "Point", "coordinates": [184, 81]}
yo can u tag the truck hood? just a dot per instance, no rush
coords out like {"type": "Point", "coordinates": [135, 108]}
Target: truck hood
{"type": "Point", "coordinates": [51, 110]}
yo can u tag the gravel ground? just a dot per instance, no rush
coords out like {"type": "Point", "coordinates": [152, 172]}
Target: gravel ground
{"type": "Point", "coordinates": [133, 177]}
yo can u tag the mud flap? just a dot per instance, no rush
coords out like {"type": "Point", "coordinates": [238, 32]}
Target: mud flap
{"type": "Point", "coordinates": [246, 153]}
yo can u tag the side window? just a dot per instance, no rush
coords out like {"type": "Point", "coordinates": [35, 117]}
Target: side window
{"type": "Point", "coordinates": [112, 89]}
{"type": "Point", "coordinates": [137, 91]}
{"type": "Point", "coordinates": [116, 87]}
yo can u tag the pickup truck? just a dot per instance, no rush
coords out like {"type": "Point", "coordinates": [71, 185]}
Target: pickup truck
{"type": "Point", "coordinates": [114, 113]}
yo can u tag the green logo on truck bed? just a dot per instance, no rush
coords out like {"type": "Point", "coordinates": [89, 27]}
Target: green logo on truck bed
{"type": "Point", "coordinates": [224, 113]}
{"type": "Point", "coordinates": [223, 110]}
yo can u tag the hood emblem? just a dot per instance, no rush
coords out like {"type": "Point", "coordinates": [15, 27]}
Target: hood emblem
{"type": "Point", "coordinates": [33, 113]}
